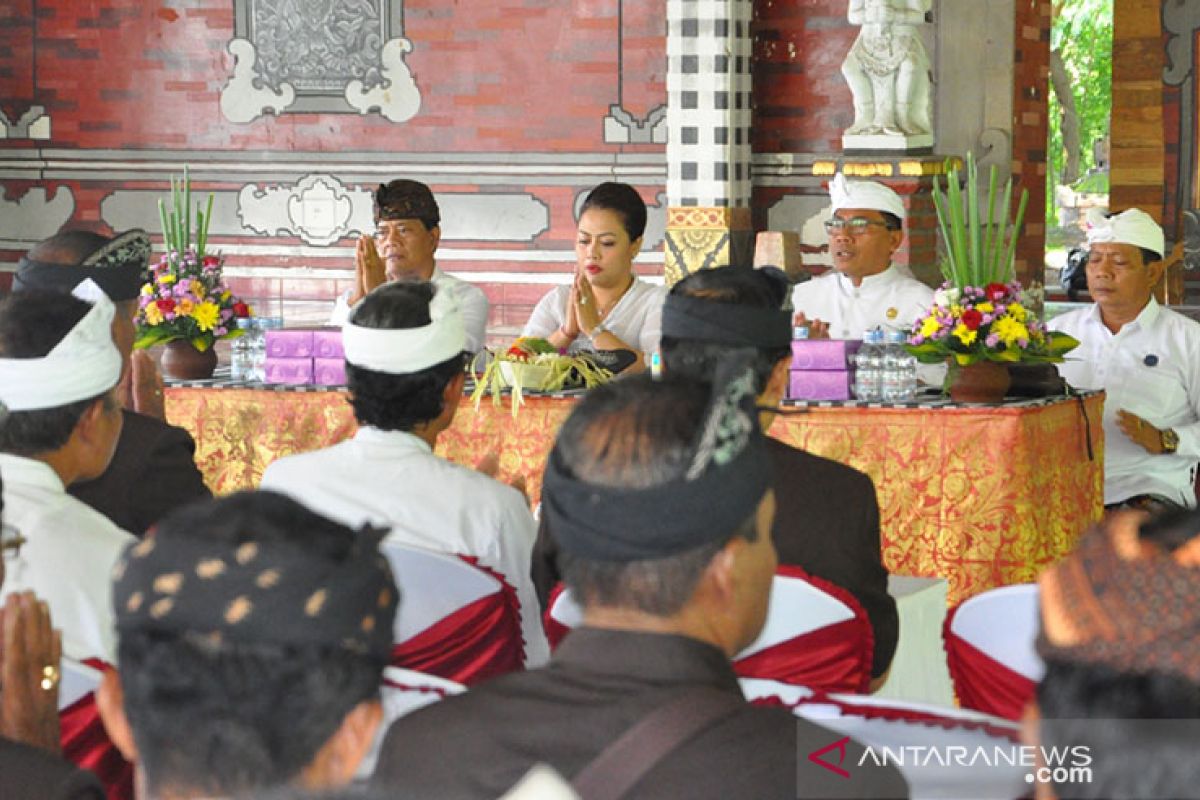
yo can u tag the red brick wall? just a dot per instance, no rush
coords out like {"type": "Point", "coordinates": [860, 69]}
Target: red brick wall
{"type": "Point", "coordinates": [801, 102]}
{"type": "Point", "coordinates": [1030, 84]}
{"type": "Point", "coordinates": [512, 75]}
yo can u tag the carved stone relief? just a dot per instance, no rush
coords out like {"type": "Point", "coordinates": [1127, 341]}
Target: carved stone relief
{"type": "Point", "coordinates": [318, 209]}
{"type": "Point", "coordinates": [33, 124]}
{"type": "Point", "coordinates": [325, 56]}
{"type": "Point", "coordinates": [35, 216]}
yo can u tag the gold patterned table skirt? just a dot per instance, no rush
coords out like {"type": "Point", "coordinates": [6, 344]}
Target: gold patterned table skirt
{"type": "Point", "coordinates": [984, 497]}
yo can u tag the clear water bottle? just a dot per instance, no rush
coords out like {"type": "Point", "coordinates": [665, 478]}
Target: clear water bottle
{"type": "Point", "coordinates": [241, 366]}
{"type": "Point", "coordinates": [868, 379]}
{"type": "Point", "coordinates": [258, 347]}
{"type": "Point", "coordinates": [899, 381]}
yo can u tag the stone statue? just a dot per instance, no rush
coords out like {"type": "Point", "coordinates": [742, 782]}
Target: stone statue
{"type": "Point", "coordinates": [888, 72]}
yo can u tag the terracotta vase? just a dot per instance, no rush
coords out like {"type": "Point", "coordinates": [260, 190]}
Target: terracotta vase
{"type": "Point", "coordinates": [183, 361]}
{"type": "Point", "coordinates": [981, 382]}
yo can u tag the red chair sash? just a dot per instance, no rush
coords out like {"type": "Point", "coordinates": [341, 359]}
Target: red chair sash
{"type": "Point", "coordinates": [555, 630]}
{"type": "Point", "coordinates": [86, 744]}
{"type": "Point", "coordinates": [835, 658]}
{"type": "Point", "coordinates": [981, 682]}
{"type": "Point", "coordinates": [828, 658]}
{"type": "Point", "coordinates": [478, 641]}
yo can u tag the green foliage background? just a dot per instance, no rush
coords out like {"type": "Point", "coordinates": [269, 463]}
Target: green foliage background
{"type": "Point", "coordinates": [1082, 32]}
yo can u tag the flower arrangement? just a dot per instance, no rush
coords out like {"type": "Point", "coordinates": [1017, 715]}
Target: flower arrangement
{"type": "Point", "coordinates": [991, 323]}
{"type": "Point", "coordinates": [535, 364]}
{"type": "Point", "coordinates": [185, 296]}
{"type": "Point", "coordinates": [981, 313]}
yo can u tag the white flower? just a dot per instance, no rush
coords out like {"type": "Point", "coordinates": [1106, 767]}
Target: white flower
{"type": "Point", "coordinates": [946, 296]}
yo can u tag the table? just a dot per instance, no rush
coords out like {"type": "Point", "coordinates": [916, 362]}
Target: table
{"type": "Point", "coordinates": [984, 496]}
{"type": "Point", "coordinates": [919, 672]}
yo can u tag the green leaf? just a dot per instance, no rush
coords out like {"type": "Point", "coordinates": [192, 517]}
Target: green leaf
{"type": "Point", "coordinates": [149, 337]}
{"type": "Point", "coordinates": [202, 343]}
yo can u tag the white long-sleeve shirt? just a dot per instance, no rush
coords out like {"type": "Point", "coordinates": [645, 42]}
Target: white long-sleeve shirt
{"type": "Point", "coordinates": [636, 319]}
{"type": "Point", "coordinates": [472, 304]}
{"type": "Point", "coordinates": [393, 479]}
{"type": "Point", "coordinates": [1151, 368]}
{"type": "Point", "coordinates": [67, 558]}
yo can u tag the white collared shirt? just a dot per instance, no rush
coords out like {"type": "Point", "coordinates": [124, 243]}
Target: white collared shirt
{"type": "Point", "coordinates": [67, 558]}
{"type": "Point", "coordinates": [636, 319]}
{"type": "Point", "coordinates": [393, 479]}
{"type": "Point", "coordinates": [888, 300]}
{"type": "Point", "coordinates": [1150, 367]}
{"type": "Point", "coordinates": [891, 300]}
{"type": "Point", "coordinates": [472, 304]}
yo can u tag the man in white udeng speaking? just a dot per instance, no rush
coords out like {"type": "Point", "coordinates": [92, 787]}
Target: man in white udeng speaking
{"type": "Point", "coordinates": [864, 289]}
{"type": "Point", "coordinates": [1147, 360]}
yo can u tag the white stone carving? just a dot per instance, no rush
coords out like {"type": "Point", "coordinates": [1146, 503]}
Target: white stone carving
{"type": "Point", "coordinates": [318, 209]}
{"type": "Point", "coordinates": [622, 127]}
{"type": "Point", "coordinates": [241, 100]}
{"type": "Point", "coordinates": [397, 97]}
{"type": "Point", "coordinates": [33, 124]}
{"type": "Point", "coordinates": [33, 217]}
{"type": "Point", "coordinates": [888, 72]}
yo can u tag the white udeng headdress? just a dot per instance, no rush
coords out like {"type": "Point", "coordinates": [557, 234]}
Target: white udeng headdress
{"type": "Point", "coordinates": [85, 363]}
{"type": "Point", "coordinates": [1132, 226]}
{"type": "Point", "coordinates": [401, 351]}
{"type": "Point", "coordinates": [864, 194]}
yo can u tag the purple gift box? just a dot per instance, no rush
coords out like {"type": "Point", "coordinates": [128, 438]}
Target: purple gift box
{"type": "Point", "coordinates": [833, 384]}
{"type": "Point", "coordinates": [825, 354]}
{"type": "Point", "coordinates": [290, 343]}
{"type": "Point", "coordinates": [288, 370]}
{"type": "Point", "coordinates": [329, 371]}
{"type": "Point", "coordinates": [327, 343]}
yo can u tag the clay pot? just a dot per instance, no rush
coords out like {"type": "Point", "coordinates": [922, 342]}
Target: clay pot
{"type": "Point", "coordinates": [183, 361]}
{"type": "Point", "coordinates": [981, 382]}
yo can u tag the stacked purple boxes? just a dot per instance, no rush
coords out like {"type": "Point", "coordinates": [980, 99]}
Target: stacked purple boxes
{"type": "Point", "coordinates": [821, 369]}
{"type": "Point", "coordinates": [305, 355]}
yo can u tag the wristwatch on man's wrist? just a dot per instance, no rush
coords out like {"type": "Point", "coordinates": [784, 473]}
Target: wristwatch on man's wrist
{"type": "Point", "coordinates": [1169, 440]}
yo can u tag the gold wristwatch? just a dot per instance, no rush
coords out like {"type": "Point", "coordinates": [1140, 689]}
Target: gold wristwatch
{"type": "Point", "coordinates": [1170, 440]}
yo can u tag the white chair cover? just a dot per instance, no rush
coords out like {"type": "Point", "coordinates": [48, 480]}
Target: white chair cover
{"type": "Point", "coordinates": [432, 586]}
{"type": "Point", "coordinates": [403, 692]}
{"type": "Point", "coordinates": [797, 608]}
{"type": "Point", "coordinates": [77, 680]}
{"type": "Point", "coordinates": [1003, 624]}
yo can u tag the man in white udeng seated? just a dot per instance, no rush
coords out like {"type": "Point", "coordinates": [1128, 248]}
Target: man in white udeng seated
{"type": "Point", "coordinates": [407, 232]}
{"type": "Point", "coordinates": [1147, 360]}
{"type": "Point", "coordinates": [405, 346]}
{"type": "Point", "coordinates": [59, 370]}
{"type": "Point", "coordinates": [864, 289]}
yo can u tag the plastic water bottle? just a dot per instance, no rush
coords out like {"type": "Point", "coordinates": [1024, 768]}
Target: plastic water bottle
{"type": "Point", "coordinates": [258, 348]}
{"type": "Point", "coordinates": [241, 365]}
{"type": "Point", "coordinates": [899, 382]}
{"type": "Point", "coordinates": [868, 380]}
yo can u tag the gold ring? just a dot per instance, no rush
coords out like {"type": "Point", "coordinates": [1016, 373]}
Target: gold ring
{"type": "Point", "coordinates": [50, 677]}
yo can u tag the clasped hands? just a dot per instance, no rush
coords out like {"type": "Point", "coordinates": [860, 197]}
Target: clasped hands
{"type": "Point", "coordinates": [369, 270]}
{"type": "Point", "coordinates": [583, 314]}
{"type": "Point", "coordinates": [30, 654]}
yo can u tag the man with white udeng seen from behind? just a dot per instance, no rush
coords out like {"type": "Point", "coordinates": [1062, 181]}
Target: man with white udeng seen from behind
{"type": "Point", "coordinates": [864, 289]}
{"type": "Point", "coordinates": [1147, 360]}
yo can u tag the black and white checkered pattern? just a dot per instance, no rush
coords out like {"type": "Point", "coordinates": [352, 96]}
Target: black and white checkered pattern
{"type": "Point", "coordinates": [708, 95]}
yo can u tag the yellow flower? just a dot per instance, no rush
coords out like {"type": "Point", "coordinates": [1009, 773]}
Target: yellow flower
{"type": "Point", "coordinates": [985, 308]}
{"type": "Point", "coordinates": [956, 310]}
{"type": "Point", "coordinates": [929, 326]}
{"type": "Point", "coordinates": [166, 278]}
{"type": "Point", "coordinates": [153, 315]}
{"type": "Point", "coordinates": [185, 307]}
{"type": "Point", "coordinates": [206, 315]}
{"type": "Point", "coordinates": [147, 289]}
{"type": "Point", "coordinates": [965, 334]}
{"type": "Point", "coordinates": [1009, 330]}
{"type": "Point", "coordinates": [1016, 311]}
{"type": "Point", "coordinates": [226, 295]}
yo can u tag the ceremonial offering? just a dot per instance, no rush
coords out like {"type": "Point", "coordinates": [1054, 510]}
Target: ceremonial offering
{"type": "Point", "coordinates": [980, 313]}
{"type": "Point", "coordinates": [532, 364]}
{"type": "Point", "coordinates": [186, 299]}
